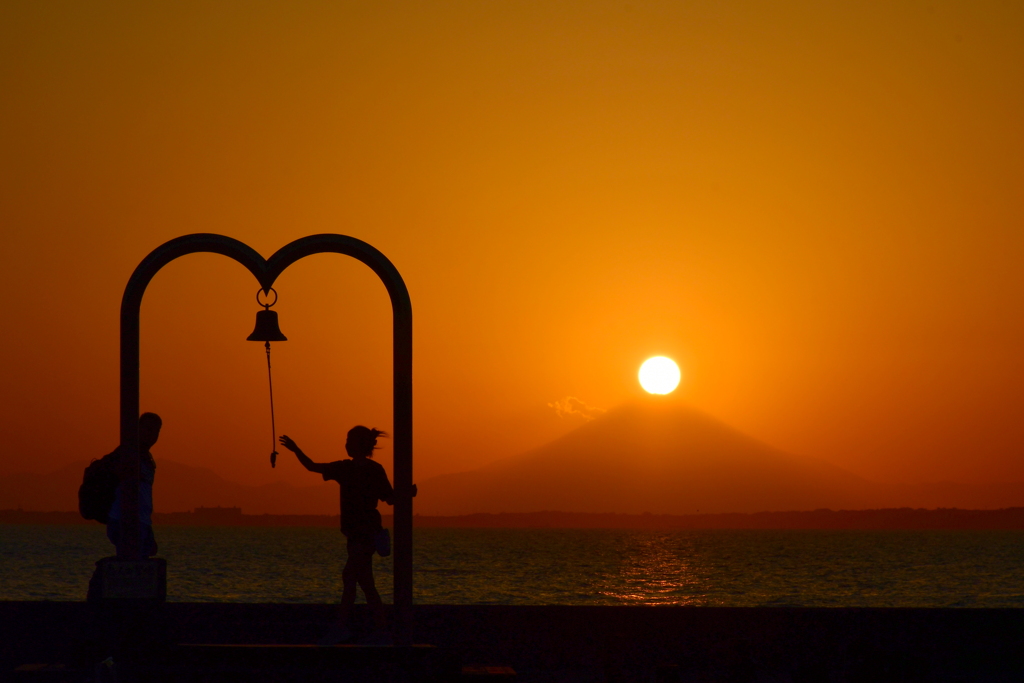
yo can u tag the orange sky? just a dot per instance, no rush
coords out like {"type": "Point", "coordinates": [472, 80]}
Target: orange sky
{"type": "Point", "coordinates": [816, 208]}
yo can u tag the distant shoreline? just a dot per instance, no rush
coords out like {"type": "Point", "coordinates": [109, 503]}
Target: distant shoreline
{"type": "Point", "coordinates": [884, 519]}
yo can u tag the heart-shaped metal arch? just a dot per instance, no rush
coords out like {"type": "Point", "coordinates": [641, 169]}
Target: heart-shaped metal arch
{"type": "Point", "coordinates": [266, 272]}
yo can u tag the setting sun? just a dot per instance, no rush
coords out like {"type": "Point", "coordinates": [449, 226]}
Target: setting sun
{"type": "Point", "coordinates": [659, 375]}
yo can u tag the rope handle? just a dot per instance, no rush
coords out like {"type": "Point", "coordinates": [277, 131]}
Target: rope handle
{"type": "Point", "coordinates": [273, 427]}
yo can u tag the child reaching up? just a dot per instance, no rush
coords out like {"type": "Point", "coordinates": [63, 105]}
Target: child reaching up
{"type": "Point", "coordinates": [363, 482]}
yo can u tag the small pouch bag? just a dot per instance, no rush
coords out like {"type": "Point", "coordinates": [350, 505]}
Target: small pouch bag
{"type": "Point", "coordinates": [382, 542]}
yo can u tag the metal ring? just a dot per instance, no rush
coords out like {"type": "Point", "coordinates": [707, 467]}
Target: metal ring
{"type": "Point", "coordinates": [263, 304]}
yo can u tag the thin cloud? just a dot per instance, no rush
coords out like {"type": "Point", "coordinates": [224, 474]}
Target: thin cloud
{"type": "Point", "coordinates": [572, 406]}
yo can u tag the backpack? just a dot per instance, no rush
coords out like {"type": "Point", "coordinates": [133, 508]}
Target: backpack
{"type": "Point", "coordinates": [99, 488]}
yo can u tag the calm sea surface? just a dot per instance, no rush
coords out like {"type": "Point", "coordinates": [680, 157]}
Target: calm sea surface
{"type": "Point", "coordinates": [552, 566]}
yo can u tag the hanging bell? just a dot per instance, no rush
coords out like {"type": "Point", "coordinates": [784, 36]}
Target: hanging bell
{"type": "Point", "coordinates": [267, 329]}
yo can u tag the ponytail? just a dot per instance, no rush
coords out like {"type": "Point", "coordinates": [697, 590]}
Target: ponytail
{"type": "Point", "coordinates": [366, 438]}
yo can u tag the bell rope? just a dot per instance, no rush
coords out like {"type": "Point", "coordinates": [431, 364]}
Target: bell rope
{"type": "Point", "coordinates": [273, 427]}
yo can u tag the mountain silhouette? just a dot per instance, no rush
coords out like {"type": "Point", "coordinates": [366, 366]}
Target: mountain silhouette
{"type": "Point", "coordinates": [658, 455]}
{"type": "Point", "coordinates": [179, 488]}
{"type": "Point", "coordinates": [652, 455]}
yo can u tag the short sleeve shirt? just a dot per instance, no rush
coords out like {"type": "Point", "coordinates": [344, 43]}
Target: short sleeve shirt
{"type": "Point", "coordinates": [363, 482]}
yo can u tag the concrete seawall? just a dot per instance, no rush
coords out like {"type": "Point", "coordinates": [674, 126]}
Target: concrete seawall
{"type": "Point", "coordinates": [556, 643]}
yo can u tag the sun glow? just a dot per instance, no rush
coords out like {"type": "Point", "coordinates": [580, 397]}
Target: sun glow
{"type": "Point", "coordinates": [659, 375]}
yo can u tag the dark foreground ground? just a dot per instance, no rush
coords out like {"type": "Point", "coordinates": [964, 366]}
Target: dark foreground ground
{"type": "Point", "coordinates": [643, 644]}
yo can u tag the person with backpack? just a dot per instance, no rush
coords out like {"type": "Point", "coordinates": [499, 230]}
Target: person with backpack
{"type": "Point", "coordinates": [363, 482]}
{"type": "Point", "coordinates": [99, 497]}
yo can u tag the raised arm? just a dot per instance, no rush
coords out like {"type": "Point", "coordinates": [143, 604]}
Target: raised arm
{"type": "Point", "coordinates": [317, 467]}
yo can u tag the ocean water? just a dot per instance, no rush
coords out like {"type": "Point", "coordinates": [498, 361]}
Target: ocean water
{"type": "Point", "coordinates": [552, 566]}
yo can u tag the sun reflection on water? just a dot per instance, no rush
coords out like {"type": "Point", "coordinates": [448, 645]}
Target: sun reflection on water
{"type": "Point", "coordinates": [657, 569]}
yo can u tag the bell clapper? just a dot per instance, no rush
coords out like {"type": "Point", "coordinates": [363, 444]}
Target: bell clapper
{"type": "Point", "coordinates": [267, 330]}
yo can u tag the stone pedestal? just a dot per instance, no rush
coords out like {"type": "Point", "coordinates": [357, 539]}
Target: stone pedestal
{"type": "Point", "coordinates": [120, 579]}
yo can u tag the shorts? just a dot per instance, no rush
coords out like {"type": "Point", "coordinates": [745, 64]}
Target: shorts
{"type": "Point", "coordinates": [361, 528]}
{"type": "Point", "coordinates": [360, 541]}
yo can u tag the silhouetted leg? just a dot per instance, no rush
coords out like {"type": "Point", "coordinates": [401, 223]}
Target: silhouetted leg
{"type": "Point", "coordinates": [340, 632]}
{"type": "Point", "coordinates": [349, 578]}
{"type": "Point", "coordinates": [359, 570]}
{"type": "Point", "coordinates": [365, 578]}
{"type": "Point", "coordinates": [147, 541]}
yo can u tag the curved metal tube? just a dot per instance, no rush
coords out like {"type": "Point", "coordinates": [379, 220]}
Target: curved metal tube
{"type": "Point", "coordinates": [266, 271]}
